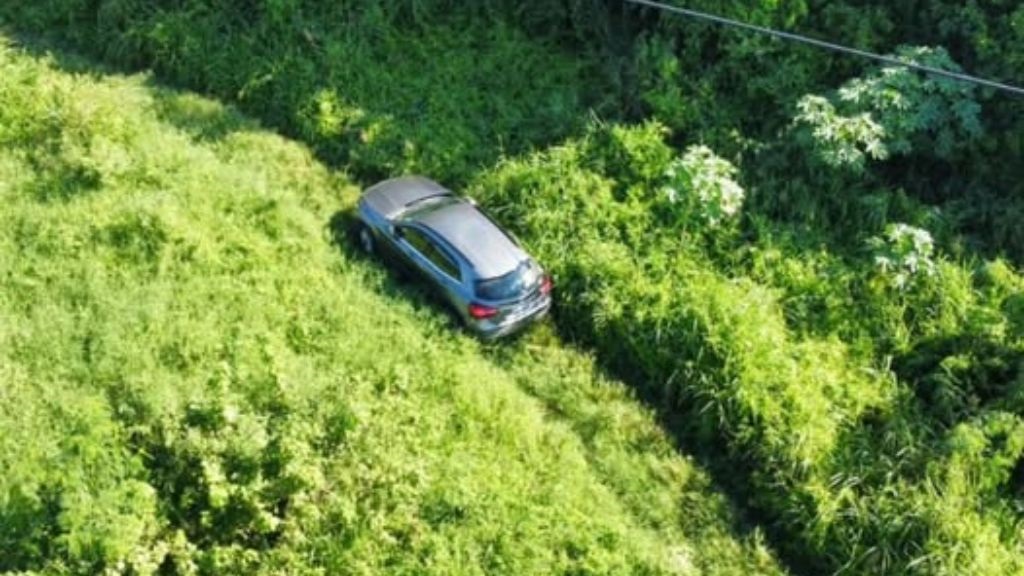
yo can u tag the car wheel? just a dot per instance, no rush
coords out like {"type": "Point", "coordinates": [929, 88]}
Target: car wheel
{"type": "Point", "coordinates": [365, 238]}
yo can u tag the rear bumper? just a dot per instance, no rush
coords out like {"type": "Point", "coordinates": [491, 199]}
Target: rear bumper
{"type": "Point", "coordinates": [489, 331]}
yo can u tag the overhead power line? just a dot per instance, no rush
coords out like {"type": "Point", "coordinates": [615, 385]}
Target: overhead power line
{"type": "Point", "coordinates": [830, 46]}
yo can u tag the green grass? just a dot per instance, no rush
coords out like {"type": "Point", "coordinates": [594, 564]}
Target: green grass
{"type": "Point", "coordinates": [368, 94]}
{"type": "Point", "coordinates": [197, 379]}
{"type": "Point", "coordinates": [868, 418]}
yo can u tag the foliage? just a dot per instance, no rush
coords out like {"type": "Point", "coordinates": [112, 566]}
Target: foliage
{"type": "Point", "coordinates": [866, 419]}
{"type": "Point", "coordinates": [903, 254]}
{"type": "Point", "coordinates": [431, 104]}
{"type": "Point", "coordinates": [939, 114]}
{"type": "Point", "coordinates": [830, 441]}
{"type": "Point", "coordinates": [737, 92]}
{"type": "Point", "coordinates": [194, 379]}
{"type": "Point", "coordinates": [703, 183]}
{"type": "Point", "coordinates": [841, 141]}
{"type": "Point", "coordinates": [894, 111]}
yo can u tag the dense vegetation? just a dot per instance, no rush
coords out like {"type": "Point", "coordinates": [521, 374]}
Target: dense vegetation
{"type": "Point", "coordinates": [875, 409]}
{"type": "Point", "coordinates": [807, 264]}
{"type": "Point", "coordinates": [196, 380]}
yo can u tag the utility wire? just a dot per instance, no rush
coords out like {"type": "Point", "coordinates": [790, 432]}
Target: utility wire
{"type": "Point", "coordinates": [830, 46]}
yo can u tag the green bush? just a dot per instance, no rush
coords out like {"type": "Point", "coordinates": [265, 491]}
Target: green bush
{"type": "Point", "coordinates": [894, 111]}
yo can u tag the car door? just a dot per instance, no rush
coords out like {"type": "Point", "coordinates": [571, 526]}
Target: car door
{"type": "Point", "coordinates": [432, 262]}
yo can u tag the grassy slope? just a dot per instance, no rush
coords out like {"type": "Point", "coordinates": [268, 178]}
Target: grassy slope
{"type": "Point", "coordinates": [194, 376]}
{"type": "Point", "coordinates": [773, 354]}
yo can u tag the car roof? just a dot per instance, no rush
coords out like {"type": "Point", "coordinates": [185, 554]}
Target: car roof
{"type": "Point", "coordinates": [489, 250]}
{"type": "Point", "coordinates": [391, 197]}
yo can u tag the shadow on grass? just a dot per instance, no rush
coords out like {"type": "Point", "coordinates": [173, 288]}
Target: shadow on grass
{"type": "Point", "coordinates": [201, 118]}
{"type": "Point", "coordinates": [34, 515]}
{"type": "Point", "coordinates": [707, 451]}
{"type": "Point", "coordinates": [375, 100]}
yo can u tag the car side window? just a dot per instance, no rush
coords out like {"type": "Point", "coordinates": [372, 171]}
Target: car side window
{"type": "Point", "coordinates": [430, 251]}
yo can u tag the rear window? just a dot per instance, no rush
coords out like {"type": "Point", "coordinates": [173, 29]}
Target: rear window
{"type": "Point", "coordinates": [512, 285]}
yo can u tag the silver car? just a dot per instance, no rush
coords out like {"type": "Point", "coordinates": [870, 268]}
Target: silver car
{"type": "Point", "coordinates": [494, 286]}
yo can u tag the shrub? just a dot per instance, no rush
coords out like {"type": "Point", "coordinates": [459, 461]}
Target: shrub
{"type": "Point", "coordinates": [904, 254]}
{"type": "Point", "coordinates": [841, 141]}
{"type": "Point", "coordinates": [893, 111]}
{"type": "Point", "coordinates": [701, 187]}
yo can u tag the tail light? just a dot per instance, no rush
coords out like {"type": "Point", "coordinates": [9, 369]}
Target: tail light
{"type": "Point", "coordinates": [480, 312]}
{"type": "Point", "coordinates": [546, 285]}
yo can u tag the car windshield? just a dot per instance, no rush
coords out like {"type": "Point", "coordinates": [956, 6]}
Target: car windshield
{"type": "Point", "coordinates": [511, 285]}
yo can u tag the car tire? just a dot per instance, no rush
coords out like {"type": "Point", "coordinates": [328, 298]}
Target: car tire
{"type": "Point", "coordinates": [364, 237]}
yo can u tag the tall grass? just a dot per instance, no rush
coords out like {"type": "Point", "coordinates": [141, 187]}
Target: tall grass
{"type": "Point", "coordinates": [869, 410]}
{"type": "Point", "coordinates": [195, 379]}
{"type": "Point", "coordinates": [862, 466]}
{"type": "Point", "coordinates": [379, 87]}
